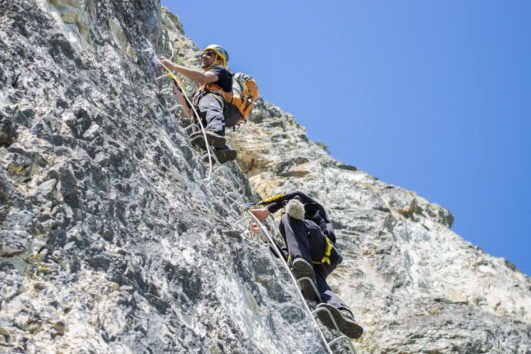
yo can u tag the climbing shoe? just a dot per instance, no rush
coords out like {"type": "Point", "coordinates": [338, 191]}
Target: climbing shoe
{"type": "Point", "coordinates": [303, 269]}
{"type": "Point", "coordinates": [343, 317]}
{"type": "Point", "coordinates": [214, 139]}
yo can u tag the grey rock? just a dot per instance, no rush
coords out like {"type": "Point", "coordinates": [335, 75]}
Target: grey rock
{"type": "Point", "coordinates": [114, 240]}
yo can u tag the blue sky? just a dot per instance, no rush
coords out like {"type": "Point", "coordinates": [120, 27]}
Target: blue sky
{"type": "Point", "coordinates": [432, 96]}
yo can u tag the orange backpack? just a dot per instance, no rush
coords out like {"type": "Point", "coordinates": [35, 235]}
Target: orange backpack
{"type": "Point", "coordinates": [240, 100]}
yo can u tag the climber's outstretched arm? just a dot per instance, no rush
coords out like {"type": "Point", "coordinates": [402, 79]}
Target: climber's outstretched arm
{"type": "Point", "coordinates": [261, 214]}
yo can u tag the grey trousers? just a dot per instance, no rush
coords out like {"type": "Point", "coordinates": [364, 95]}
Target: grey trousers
{"type": "Point", "coordinates": [210, 109]}
{"type": "Point", "coordinates": [305, 239]}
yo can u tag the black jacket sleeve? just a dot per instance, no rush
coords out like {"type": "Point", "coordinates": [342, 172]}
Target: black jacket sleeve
{"type": "Point", "coordinates": [278, 204]}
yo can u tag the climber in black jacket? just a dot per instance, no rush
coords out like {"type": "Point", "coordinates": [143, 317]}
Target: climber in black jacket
{"type": "Point", "coordinates": [311, 252]}
{"type": "Point", "coordinates": [210, 105]}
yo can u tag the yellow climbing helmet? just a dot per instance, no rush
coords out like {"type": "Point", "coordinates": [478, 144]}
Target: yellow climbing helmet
{"type": "Point", "coordinates": [220, 52]}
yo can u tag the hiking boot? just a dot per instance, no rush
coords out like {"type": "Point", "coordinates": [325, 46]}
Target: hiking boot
{"type": "Point", "coordinates": [214, 139]}
{"type": "Point", "coordinates": [343, 317]}
{"type": "Point", "coordinates": [303, 269]}
{"type": "Point", "coordinates": [225, 154]}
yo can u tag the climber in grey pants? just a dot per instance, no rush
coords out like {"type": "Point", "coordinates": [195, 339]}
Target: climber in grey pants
{"type": "Point", "coordinates": [210, 109]}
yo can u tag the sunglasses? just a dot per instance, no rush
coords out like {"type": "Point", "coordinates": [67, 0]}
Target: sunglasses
{"type": "Point", "coordinates": [209, 53]}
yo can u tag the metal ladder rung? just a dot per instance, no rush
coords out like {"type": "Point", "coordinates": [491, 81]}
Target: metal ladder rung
{"type": "Point", "coordinates": [171, 109]}
{"type": "Point", "coordinates": [332, 342]}
{"type": "Point", "coordinates": [166, 91]}
{"type": "Point", "coordinates": [312, 283]}
{"type": "Point", "coordinates": [189, 127]}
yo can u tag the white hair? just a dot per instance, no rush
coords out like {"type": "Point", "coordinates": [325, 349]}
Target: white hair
{"type": "Point", "coordinates": [295, 209]}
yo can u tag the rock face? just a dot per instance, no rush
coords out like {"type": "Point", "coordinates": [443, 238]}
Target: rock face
{"type": "Point", "coordinates": [416, 286]}
{"type": "Point", "coordinates": [116, 238]}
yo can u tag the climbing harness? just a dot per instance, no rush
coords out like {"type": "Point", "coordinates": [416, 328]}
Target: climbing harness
{"type": "Point", "coordinates": [240, 101]}
{"type": "Point", "coordinates": [328, 344]}
{"type": "Point", "coordinates": [327, 253]}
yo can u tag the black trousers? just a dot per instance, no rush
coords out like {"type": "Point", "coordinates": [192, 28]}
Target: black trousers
{"type": "Point", "coordinates": [305, 239]}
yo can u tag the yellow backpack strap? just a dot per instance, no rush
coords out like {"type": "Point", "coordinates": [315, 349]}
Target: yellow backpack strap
{"type": "Point", "coordinates": [328, 252]}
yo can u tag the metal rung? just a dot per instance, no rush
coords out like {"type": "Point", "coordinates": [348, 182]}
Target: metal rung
{"type": "Point", "coordinates": [166, 90]}
{"type": "Point", "coordinates": [310, 280]}
{"type": "Point", "coordinates": [332, 342]}
{"type": "Point", "coordinates": [190, 127]}
{"type": "Point", "coordinates": [236, 204]}
{"type": "Point", "coordinates": [212, 155]}
{"type": "Point", "coordinates": [243, 220]}
{"type": "Point", "coordinates": [329, 314]}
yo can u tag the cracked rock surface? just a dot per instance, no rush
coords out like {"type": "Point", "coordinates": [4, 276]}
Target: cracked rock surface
{"type": "Point", "coordinates": [113, 238]}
